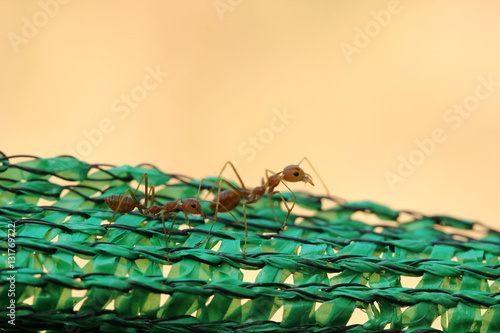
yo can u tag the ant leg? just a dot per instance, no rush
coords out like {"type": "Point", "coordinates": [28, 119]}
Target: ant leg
{"type": "Point", "coordinates": [164, 229]}
{"type": "Point", "coordinates": [147, 210]}
{"type": "Point", "coordinates": [235, 172]}
{"type": "Point", "coordinates": [227, 206]}
{"type": "Point", "coordinates": [269, 172]}
{"type": "Point", "coordinates": [215, 212]}
{"type": "Point", "coordinates": [174, 216]}
{"type": "Point", "coordinates": [289, 209]}
{"type": "Point", "coordinates": [317, 174]}
{"type": "Point", "coordinates": [245, 220]}
{"type": "Point", "coordinates": [136, 203]}
{"type": "Point", "coordinates": [151, 195]}
{"type": "Point", "coordinates": [217, 204]}
{"type": "Point", "coordinates": [228, 203]}
{"type": "Point", "coordinates": [211, 188]}
{"type": "Point", "coordinates": [271, 192]}
{"type": "Point", "coordinates": [171, 213]}
{"type": "Point", "coordinates": [246, 228]}
{"type": "Point", "coordinates": [140, 207]}
{"type": "Point", "coordinates": [211, 227]}
{"type": "Point", "coordinates": [146, 178]}
{"type": "Point", "coordinates": [146, 194]}
{"type": "Point", "coordinates": [167, 238]}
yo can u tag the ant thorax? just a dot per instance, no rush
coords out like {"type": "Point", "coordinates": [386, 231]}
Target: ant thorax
{"type": "Point", "coordinates": [257, 193]}
{"type": "Point", "coordinates": [154, 210]}
{"type": "Point", "coordinates": [273, 181]}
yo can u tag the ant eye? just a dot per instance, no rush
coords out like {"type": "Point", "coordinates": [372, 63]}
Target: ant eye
{"type": "Point", "coordinates": [296, 173]}
{"type": "Point", "coordinates": [193, 205]}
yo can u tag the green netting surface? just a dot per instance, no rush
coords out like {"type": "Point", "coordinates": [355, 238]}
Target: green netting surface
{"type": "Point", "coordinates": [338, 266]}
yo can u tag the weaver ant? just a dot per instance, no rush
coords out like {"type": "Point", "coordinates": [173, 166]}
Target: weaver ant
{"type": "Point", "coordinates": [125, 204]}
{"type": "Point", "coordinates": [230, 198]}
{"type": "Point", "coordinates": [122, 203]}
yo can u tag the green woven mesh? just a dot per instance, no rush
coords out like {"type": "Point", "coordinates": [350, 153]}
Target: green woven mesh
{"type": "Point", "coordinates": [337, 267]}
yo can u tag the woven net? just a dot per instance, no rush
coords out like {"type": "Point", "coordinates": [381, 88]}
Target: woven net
{"type": "Point", "coordinates": [338, 266]}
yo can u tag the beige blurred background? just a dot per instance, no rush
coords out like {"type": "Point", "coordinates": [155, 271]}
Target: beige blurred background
{"type": "Point", "coordinates": [392, 101]}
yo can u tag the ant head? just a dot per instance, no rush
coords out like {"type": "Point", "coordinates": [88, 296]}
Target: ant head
{"type": "Point", "coordinates": [293, 173]}
{"type": "Point", "coordinates": [192, 206]}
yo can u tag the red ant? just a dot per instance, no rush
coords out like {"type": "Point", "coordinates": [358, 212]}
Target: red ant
{"type": "Point", "coordinates": [126, 204]}
{"type": "Point", "coordinates": [229, 199]}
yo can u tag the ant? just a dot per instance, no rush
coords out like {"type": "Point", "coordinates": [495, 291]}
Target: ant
{"type": "Point", "coordinates": [125, 204]}
{"type": "Point", "coordinates": [229, 199]}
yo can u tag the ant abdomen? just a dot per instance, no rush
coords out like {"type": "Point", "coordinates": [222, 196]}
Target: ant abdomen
{"type": "Point", "coordinates": [228, 200]}
{"type": "Point", "coordinates": [120, 203]}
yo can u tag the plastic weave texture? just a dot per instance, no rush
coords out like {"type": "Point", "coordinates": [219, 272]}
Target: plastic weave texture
{"type": "Point", "coordinates": [338, 266]}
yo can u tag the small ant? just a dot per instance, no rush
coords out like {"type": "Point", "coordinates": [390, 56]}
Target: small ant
{"type": "Point", "coordinates": [125, 204]}
{"type": "Point", "coordinates": [189, 206]}
{"type": "Point", "coordinates": [229, 199]}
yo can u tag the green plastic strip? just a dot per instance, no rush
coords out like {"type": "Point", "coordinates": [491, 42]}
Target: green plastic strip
{"type": "Point", "coordinates": [328, 271]}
